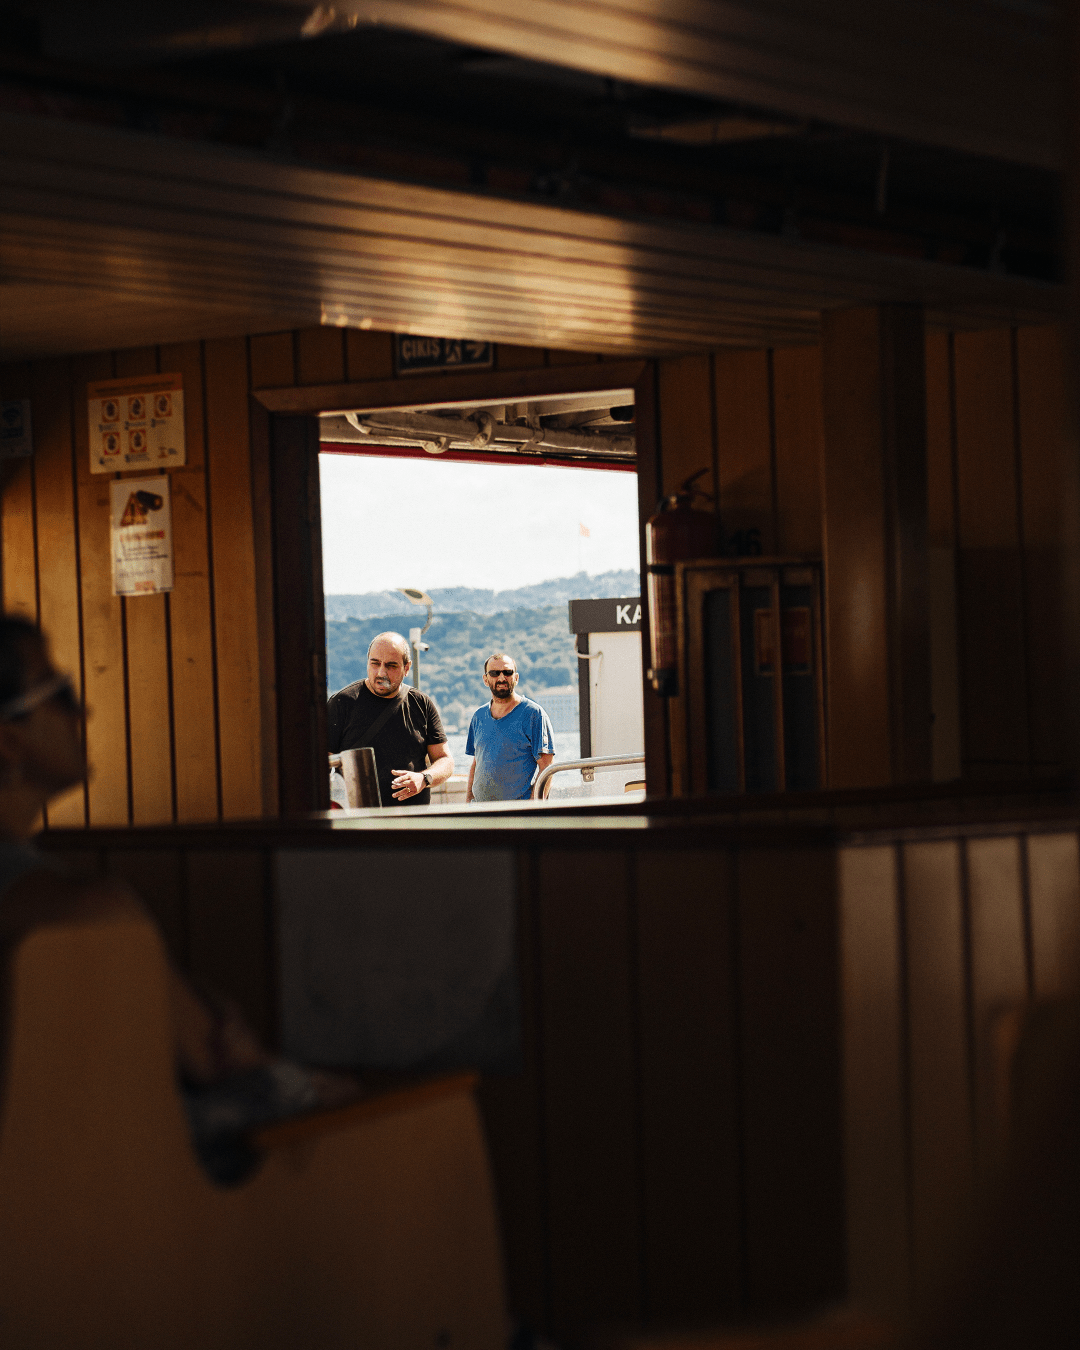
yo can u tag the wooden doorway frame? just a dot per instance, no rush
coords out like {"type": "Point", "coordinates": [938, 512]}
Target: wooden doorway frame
{"type": "Point", "coordinates": [287, 508]}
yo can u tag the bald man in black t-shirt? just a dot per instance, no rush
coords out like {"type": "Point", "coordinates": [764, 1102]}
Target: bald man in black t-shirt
{"type": "Point", "coordinates": [406, 740]}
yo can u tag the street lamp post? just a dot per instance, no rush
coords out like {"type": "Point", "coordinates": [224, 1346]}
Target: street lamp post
{"type": "Point", "coordinates": [415, 634]}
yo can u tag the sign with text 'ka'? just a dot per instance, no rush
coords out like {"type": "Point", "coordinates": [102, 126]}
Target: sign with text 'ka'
{"type": "Point", "coordinates": [606, 616]}
{"type": "Point", "coordinates": [412, 355]}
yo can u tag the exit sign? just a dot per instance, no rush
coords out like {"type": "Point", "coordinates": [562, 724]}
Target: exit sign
{"type": "Point", "coordinates": [415, 354]}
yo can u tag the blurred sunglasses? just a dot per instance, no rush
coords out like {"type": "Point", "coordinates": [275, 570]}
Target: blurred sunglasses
{"type": "Point", "coordinates": [493, 673]}
{"type": "Point", "coordinates": [58, 688]}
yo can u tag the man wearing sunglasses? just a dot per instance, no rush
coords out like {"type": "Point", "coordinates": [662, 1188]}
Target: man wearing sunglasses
{"type": "Point", "coordinates": [510, 740]}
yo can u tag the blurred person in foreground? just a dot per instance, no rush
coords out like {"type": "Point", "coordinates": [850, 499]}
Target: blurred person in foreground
{"type": "Point", "coordinates": [230, 1083]}
{"type": "Point", "coordinates": [402, 726]}
{"type": "Point", "coordinates": [511, 739]}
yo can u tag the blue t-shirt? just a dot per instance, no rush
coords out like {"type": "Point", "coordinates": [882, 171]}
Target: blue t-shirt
{"type": "Point", "coordinates": [506, 750]}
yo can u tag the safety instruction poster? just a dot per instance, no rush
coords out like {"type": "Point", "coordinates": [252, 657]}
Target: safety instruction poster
{"type": "Point", "coordinates": [136, 423]}
{"type": "Point", "coordinates": [142, 546]}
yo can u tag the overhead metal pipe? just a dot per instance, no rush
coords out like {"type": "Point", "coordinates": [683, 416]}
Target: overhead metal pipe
{"type": "Point", "coordinates": [473, 433]}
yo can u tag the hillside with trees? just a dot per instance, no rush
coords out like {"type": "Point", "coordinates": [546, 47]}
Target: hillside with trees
{"type": "Point", "coordinates": [457, 599]}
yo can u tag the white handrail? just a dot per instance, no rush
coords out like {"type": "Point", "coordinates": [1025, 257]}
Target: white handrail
{"type": "Point", "coordinates": [540, 788]}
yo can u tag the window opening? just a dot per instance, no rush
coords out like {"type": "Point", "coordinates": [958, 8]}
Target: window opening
{"type": "Point", "coordinates": [500, 515]}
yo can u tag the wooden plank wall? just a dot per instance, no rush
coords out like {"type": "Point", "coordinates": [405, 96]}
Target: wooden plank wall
{"type": "Point", "coordinates": [180, 707]}
{"type": "Point", "coordinates": [996, 412]}
{"type": "Point", "coordinates": [939, 939]}
{"type": "Point", "coordinates": [173, 684]}
{"type": "Point", "coordinates": [717, 1036]}
{"type": "Point", "coordinates": [996, 430]}
{"type": "Point", "coordinates": [671, 1151]}
{"type": "Point", "coordinates": [753, 420]}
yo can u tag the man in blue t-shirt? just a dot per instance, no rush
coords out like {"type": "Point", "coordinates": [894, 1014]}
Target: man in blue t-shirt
{"type": "Point", "coordinates": [510, 740]}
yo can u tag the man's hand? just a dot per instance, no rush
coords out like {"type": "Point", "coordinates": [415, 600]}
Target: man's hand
{"type": "Point", "coordinates": [406, 784]}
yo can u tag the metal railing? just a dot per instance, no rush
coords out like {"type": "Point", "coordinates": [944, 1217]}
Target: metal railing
{"type": "Point", "coordinates": [542, 786]}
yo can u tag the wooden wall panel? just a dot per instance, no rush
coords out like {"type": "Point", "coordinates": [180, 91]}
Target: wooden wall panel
{"type": "Point", "coordinates": [298, 616]}
{"type": "Point", "coordinates": [999, 982]}
{"type": "Point", "coordinates": [856, 595]}
{"type": "Point", "coordinates": [158, 878]}
{"type": "Point", "coordinates": [512, 1106]}
{"type": "Point", "coordinates": [590, 1120]}
{"type": "Point", "coordinates": [104, 683]}
{"type": "Point", "coordinates": [996, 433]}
{"type": "Point", "coordinates": [691, 1193]}
{"type": "Point", "coordinates": [262, 498]}
{"type": "Point", "coordinates": [946, 752]}
{"type": "Point", "coordinates": [687, 439]}
{"type": "Point", "coordinates": [991, 589]}
{"type": "Point", "coordinates": [1042, 422]}
{"type": "Point", "coordinates": [661, 744]}
{"type": "Point", "coordinates": [753, 418]}
{"type": "Point", "coordinates": [555, 356]}
{"type": "Point", "coordinates": [1054, 889]}
{"type": "Point", "coordinates": [683, 1053]}
{"type": "Point", "coordinates": [191, 607]}
{"type": "Point", "coordinates": [149, 675]}
{"type": "Point", "coordinates": [273, 360]}
{"type": "Point", "coordinates": [17, 526]}
{"type": "Point", "coordinates": [939, 441]}
{"type": "Point", "coordinates": [236, 636]}
{"type": "Point", "coordinates": [745, 486]}
{"type": "Point", "coordinates": [510, 357]}
{"type": "Point", "coordinates": [370, 356]}
{"type": "Point", "coordinates": [230, 931]}
{"type": "Point", "coordinates": [179, 688]}
{"type": "Point", "coordinates": [57, 543]}
{"type": "Point", "coordinates": [875, 1080]}
{"type": "Point", "coordinates": [687, 423]}
{"type": "Point", "coordinates": [876, 564]}
{"type": "Point", "coordinates": [790, 1079]}
{"type": "Point", "coordinates": [938, 1034]}
{"type": "Point", "coordinates": [320, 356]}
{"type": "Point", "coordinates": [798, 434]}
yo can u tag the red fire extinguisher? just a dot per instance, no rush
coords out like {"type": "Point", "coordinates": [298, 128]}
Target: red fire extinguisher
{"type": "Point", "coordinates": [678, 532]}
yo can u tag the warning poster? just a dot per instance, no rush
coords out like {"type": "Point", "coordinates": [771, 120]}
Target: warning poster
{"type": "Point", "coordinates": [142, 548]}
{"type": "Point", "coordinates": [136, 423]}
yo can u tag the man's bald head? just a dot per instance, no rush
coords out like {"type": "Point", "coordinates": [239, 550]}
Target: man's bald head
{"type": "Point", "coordinates": [387, 664]}
{"type": "Point", "coordinates": [395, 640]}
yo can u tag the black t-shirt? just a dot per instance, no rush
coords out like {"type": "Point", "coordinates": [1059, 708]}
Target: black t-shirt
{"type": "Point", "coordinates": [400, 743]}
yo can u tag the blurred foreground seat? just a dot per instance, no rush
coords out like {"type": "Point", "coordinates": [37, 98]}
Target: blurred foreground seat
{"type": "Point", "coordinates": [370, 1226]}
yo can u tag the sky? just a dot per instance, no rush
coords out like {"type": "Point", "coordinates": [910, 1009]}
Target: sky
{"type": "Point", "coordinates": [427, 523]}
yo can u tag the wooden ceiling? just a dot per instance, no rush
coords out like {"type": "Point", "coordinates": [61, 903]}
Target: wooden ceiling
{"type": "Point", "coordinates": [109, 237]}
{"type": "Point", "coordinates": [982, 76]}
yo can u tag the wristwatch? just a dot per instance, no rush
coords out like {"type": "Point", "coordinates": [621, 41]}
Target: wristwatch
{"type": "Point", "coordinates": [426, 776]}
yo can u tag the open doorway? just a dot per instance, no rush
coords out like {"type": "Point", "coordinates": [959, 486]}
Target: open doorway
{"type": "Point", "coordinates": [506, 517]}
